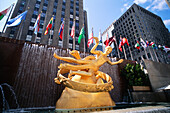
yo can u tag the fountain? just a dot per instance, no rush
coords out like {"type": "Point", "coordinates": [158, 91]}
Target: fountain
{"type": "Point", "coordinates": [5, 105]}
{"type": "Point", "coordinates": [84, 85]}
{"type": "Point", "coordinates": [31, 68]}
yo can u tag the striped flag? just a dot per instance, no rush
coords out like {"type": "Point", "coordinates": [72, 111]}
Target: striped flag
{"type": "Point", "coordinates": [37, 24]}
{"type": "Point", "coordinates": [120, 44]}
{"type": "Point", "coordinates": [73, 30]}
{"type": "Point", "coordinates": [17, 20]}
{"type": "Point", "coordinates": [4, 12]}
{"type": "Point", "coordinates": [107, 40]}
{"type": "Point", "coordinates": [60, 32]}
{"type": "Point", "coordinates": [49, 26]}
{"type": "Point", "coordinates": [90, 40]}
{"type": "Point", "coordinates": [142, 42]}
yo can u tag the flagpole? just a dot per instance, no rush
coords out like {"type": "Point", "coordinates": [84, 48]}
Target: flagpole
{"type": "Point", "coordinates": [63, 34]}
{"type": "Point", "coordinates": [22, 22]}
{"type": "Point", "coordinates": [8, 17]}
{"type": "Point", "coordinates": [144, 48]}
{"type": "Point", "coordinates": [124, 52]}
{"type": "Point", "coordinates": [151, 54]}
{"type": "Point", "coordinates": [84, 46]}
{"type": "Point", "coordinates": [117, 46]}
{"type": "Point", "coordinates": [74, 36]}
{"type": "Point", "coordinates": [156, 55]}
{"type": "Point", "coordinates": [35, 38]}
{"type": "Point", "coordinates": [130, 53]}
{"type": "Point", "coordinates": [84, 43]}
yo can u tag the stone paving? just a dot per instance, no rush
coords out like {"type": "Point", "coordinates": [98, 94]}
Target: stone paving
{"type": "Point", "coordinates": [148, 109]}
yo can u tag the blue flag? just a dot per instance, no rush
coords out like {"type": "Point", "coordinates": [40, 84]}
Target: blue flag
{"type": "Point", "coordinates": [17, 20]}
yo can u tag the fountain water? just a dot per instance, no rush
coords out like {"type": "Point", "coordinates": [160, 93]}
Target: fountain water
{"type": "Point", "coordinates": [5, 104]}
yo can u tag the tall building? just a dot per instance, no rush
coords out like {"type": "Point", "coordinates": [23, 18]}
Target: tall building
{"type": "Point", "coordinates": [142, 23]}
{"type": "Point", "coordinates": [59, 9]}
{"type": "Point", "coordinates": [108, 32]}
{"type": "Point", "coordinates": [168, 2]}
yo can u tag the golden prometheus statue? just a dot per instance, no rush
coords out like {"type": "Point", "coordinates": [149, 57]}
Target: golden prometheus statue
{"type": "Point", "coordinates": [84, 85]}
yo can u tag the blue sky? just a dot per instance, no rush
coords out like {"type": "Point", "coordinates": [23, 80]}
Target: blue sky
{"type": "Point", "coordinates": [101, 13]}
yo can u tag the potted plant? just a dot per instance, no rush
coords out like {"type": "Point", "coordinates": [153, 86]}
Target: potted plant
{"type": "Point", "coordinates": [135, 77]}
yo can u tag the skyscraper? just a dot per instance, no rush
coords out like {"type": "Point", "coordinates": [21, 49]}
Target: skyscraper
{"type": "Point", "coordinates": [137, 23]}
{"type": "Point", "coordinates": [67, 10]}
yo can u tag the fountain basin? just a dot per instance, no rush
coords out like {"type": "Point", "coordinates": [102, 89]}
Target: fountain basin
{"type": "Point", "coordinates": [120, 107]}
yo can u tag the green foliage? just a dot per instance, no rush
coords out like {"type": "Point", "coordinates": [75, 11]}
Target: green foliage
{"type": "Point", "coordinates": [135, 76]}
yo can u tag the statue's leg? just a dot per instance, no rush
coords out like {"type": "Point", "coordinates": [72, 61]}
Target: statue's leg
{"type": "Point", "coordinates": [76, 67]}
{"type": "Point", "coordinates": [104, 76]}
{"type": "Point", "coordinates": [81, 73]}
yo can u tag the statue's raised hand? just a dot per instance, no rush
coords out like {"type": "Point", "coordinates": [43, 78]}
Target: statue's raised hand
{"type": "Point", "coordinates": [96, 39]}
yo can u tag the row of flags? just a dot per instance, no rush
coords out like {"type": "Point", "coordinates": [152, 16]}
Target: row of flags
{"type": "Point", "coordinates": [17, 20]}
{"type": "Point", "coordinates": [146, 44]}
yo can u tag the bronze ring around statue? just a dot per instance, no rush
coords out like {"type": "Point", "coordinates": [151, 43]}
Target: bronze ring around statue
{"type": "Point", "coordinates": [86, 87]}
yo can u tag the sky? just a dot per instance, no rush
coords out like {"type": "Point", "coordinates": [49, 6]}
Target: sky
{"type": "Point", "coordinates": [102, 13]}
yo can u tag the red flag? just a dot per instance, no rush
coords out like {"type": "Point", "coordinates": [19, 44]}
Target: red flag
{"type": "Point", "coordinates": [124, 40]}
{"type": "Point", "coordinates": [4, 12]}
{"type": "Point", "coordinates": [107, 40]}
{"type": "Point", "coordinates": [73, 30]}
{"type": "Point", "coordinates": [111, 39]}
{"type": "Point", "coordinates": [120, 44]}
{"type": "Point", "coordinates": [90, 40]}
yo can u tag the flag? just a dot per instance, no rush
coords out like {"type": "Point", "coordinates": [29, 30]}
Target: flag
{"type": "Point", "coordinates": [166, 49]}
{"type": "Point", "coordinates": [107, 40]}
{"type": "Point", "coordinates": [82, 35]}
{"type": "Point", "coordinates": [147, 43]}
{"type": "Point", "coordinates": [154, 46]}
{"type": "Point", "coordinates": [37, 24]}
{"type": "Point", "coordinates": [100, 37]}
{"type": "Point", "coordinates": [137, 46]}
{"type": "Point", "coordinates": [90, 40]}
{"type": "Point", "coordinates": [161, 47]}
{"type": "Point", "coordinates": [49, 26]}
{"type": "Point", "coordinates": [112, 40]}
{"type": "Point", "coordinates": [143, 44]}
{"type": "Point", "coordinates": [125, 41]}
{"type": "Point", "coordinates": [17, 20]}
{"type": "Point", "coordinates": [73, 30]}
{"type": "Point", "coordinates": [120, 44]}
{"type": "Point", "coordinates": [151, 43]}
{"type": "Point", "coordinates": [60, 32]}
{"type": "Point", "coordinates": [4, 12]}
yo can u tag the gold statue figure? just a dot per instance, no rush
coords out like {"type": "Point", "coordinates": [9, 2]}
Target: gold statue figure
{"type": "Point", "coordinates": [86, 78]}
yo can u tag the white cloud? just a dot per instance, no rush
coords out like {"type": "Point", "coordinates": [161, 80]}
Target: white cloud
{"type": "Point", "coordinates": [167, 22]}
{"type": "Point", "coordinates": [141, 1]}
{"type": "Point", "coordinates": [125, 7]}
{"type": "Point", "coordinates": [157, 5]}
{"type": "Point", "coordinates": [122, 10]}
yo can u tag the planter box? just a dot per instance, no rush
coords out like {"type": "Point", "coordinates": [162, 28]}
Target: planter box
{"type": "Point", "coordinates": [141, 88]}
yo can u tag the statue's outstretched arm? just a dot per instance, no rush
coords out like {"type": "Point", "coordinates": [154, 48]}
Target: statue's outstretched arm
{"type": "Point", "coordinates": [67, 59]}
{"type": "Point", "coordinates": [114, 63]}
{"type": "Point", "coordinates": [93, 50]}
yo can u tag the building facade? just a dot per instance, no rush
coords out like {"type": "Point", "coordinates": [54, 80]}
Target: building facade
{"type": "Point", "coordinates": [108, 32]}
{"type": "Point", "coordinates": [138, 22]}
{"type": "Point", "coordinates": [59, 9]}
